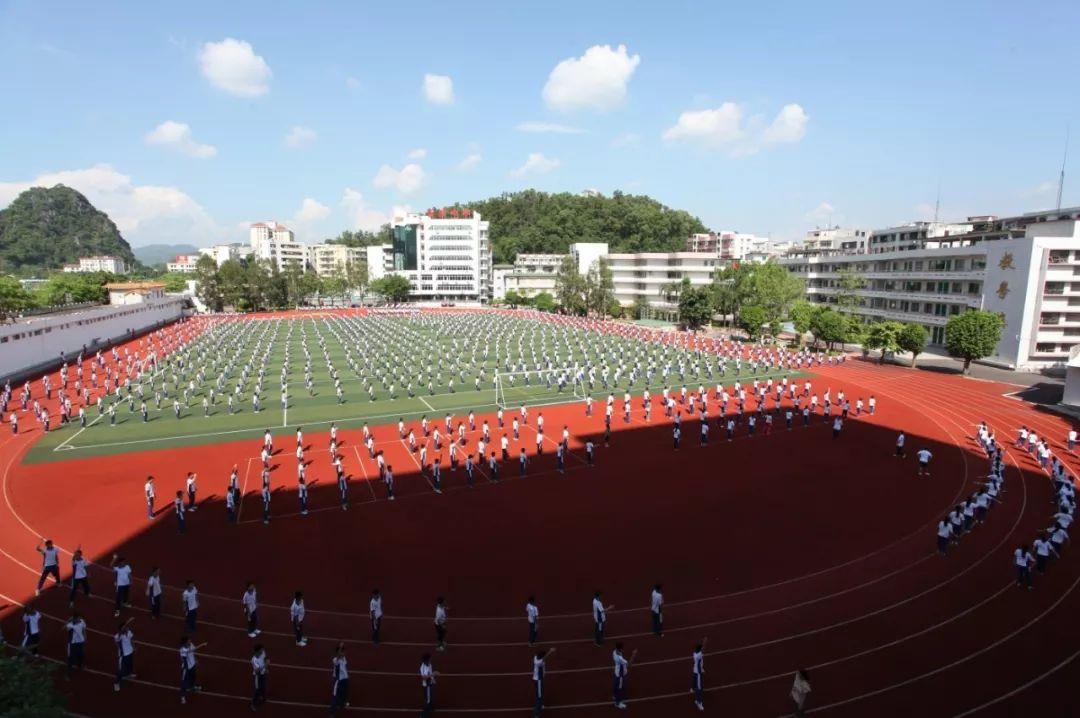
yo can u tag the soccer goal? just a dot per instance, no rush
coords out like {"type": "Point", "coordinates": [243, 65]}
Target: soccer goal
{"type": "Point", "coordinates": [542, 386]}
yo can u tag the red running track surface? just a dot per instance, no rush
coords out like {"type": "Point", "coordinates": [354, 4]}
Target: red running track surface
{"type": "Point", "coordinates": [787, 550]}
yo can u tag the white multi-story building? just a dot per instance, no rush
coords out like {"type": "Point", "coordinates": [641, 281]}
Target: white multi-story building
{"type": "Point", "coordinates": [731, 246]}
{"type": "Point", "coordinates": [532, 274]}
{"type": "Point", "coordinates": [275, 243]}
{"type": "Point", "coordinates": [329, 259]}
{"type": "Point", "coordinates": [183, 263]}
{"type": "Point", "coordinates": [586, 254]}
{"type": "Point", "coordinates": [222, 253]}
{"type": "Point", "coordinates": [99, 263]}
{"type": "Point", "coordinates": [836, 239]}
{"type": "Point", "coordinates": [649, 276]}
{"type": "Point", "coordinates": [380, 260]}
{"type": "Point", "coordinates": [445, 254]}
{"type": "Point", "coordinates": [1019, 267]}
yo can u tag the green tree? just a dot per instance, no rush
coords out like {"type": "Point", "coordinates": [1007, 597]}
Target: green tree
{"type": "Point", "coordinates": [75, 287]}
{"type": "Point", "coordinates": [912, 338]}
{"type": "Point", "coordinates": [973, 335]}
{"type": "Point", "coordinates": [773, 288]}
{"type": "Point", "coordinates": [175, 281]}
{"type": "Point", "coordinates": [883, 336]}
{"type": "Point", "coordinates": [571, 289]}
{"type": "Point", "coordinates": [848, 285]}
{"type": "Point", "coordinates": [393, 287]}
{"type": "Point", "coordinates": [829, 326]}
{"type": "Point", "coordinates": [208, 283]}
{"type": "Point", "coordinates": [802, 314]}
{"type": "Point", "coordinates": [356, 276]}
{"type": "Point", "coordinates": [696, 306]}
{"type": "Point", "coordinates": [752, 319]}
{"type": "Point", "coordinates": [600, 287]}
{"type": "Point", "coordinates": [544, 302]}
{"type": "Point", "coordinates": [512, 299]}
{"type": "Point", "coordinates": [14, 300]}
{"type": "Point", "coordinates": [27, 690]}
{"type": "Point", "coordinates": [639, 308]}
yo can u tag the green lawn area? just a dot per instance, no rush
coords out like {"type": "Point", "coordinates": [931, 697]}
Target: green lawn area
{"type": "Point", "coordinates": [315, 411]}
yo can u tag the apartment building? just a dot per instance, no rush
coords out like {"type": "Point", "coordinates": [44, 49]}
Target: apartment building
{"type": "Point", "coordinates": [222, 253]}
{"type": "Point", "coordinates": [380, 260]}
{"type": "Point", "coordinates": [331, 259]}
{"type": "Point", "coordinates": [275, 243]}
{"type": "Point", "coordinates": [98, 263]}
{"type": "Point", "coordinates": [183, 263]}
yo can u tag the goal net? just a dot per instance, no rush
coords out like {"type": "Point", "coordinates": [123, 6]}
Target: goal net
{"type": "Point", "coordinates": [541, 386]}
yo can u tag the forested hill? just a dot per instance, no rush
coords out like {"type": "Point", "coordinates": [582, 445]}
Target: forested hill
{"type": "Point", "coordinates": [46, 227]}
{"type": "Point", "coordinates": [531, 221]}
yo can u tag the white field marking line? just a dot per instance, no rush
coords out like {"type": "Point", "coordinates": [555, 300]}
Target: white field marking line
{"type": "Point", "coordinates": [367, 480]}
{"type": "Point", "coordinates": [62, 446]}
{"type": "Point", "coordinates": [417, 462]}
{"type": "Point", "coordinates": [243, 490]}
{"type": "Point", "coordinates": [424, 402]}
{"type": "Point", "coordinates": [562, 616]}
{"type": "Point", "coordinates": [947, 666]}
{"type": "Point", "coordinates": [1019, 689]}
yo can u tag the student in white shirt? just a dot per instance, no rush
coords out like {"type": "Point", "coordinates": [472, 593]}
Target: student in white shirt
{"type": "Point", "coordinates": [79, 575]}
{"type": "Point", "coordinates": [31, 631]}
{"type": "Point", "coordinates": [122, 578]}
{"type": "Point", "coordinates": [697, 674]}
{"type": "Point", "coordinates": [622, 667]}
{"type": "Point", "coordinates": [1043, 549]}
{"type": "Point", "coordinates": [50, 564]}
{"type": "Point", "coordinates": [190, 599]}
{"type": "Point", "coordinates": [296, 614]}
{"type": "Point", "coordinates": [944, 534]}
{"type": "Point", "coordinates": [599, 613]}
{"type": "Point", "coordinates": [924, 457]}
{"type": "Point", "coordinates": [375, 613]}
{"type": "Point", "coordinates": [260, 666]}
{"type": "Point", "coordinates": [538, 673]}
{"type": "Point", "coordinates": [532, 615]}
{"type": "Point", "coordinates": [189, 682]}
{"type": "Point", "coordinates": [148, 489]}
{"type": "Point", "coordinates": [800, 689]}
{"type": "Point", "coordinates": [125, 650]}
{"type": "Point", "coordinates": [656, 609]}
{"type": "Point", "coordinates": [427, 681]}
{"type": "Point", "coordinates": [1023, 560]}
{"type": "Point", "coordinates": [339, 672]}
{"type": "Point", "coordinates": [153, 592]}
{"type": "Point", "coordinates": [440, 624]}
{"type": "Point", "coordinates": [76, 643]}
{"type": "Point", "coordinates": [249, 602]}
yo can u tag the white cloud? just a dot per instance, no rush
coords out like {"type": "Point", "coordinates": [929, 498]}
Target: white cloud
{"type": "Point", "coordinates": [727, 128]}
{"type": "Point", "coordinates": [535, 164]}
{"type": "Point", "coordinates": [352, 83]}
{"type": "Point", "coordinates": [438, 89]}
{"type": "Point", "coordinates": [300, 137]}
{"type": "Point", "coordinates": [626, 139]}
{"type": "Point", "coordinates": [1043, 189]}
{"type": "Point", "coordinates": [177, 136]}
{"type": "Point", "coordinates": [418, 154]}
{"type": "Point", "coordinates": [144, 214]}
{"type": "Point", "coordinates": [549, 127]}
{"type": "Point", "coordinates": [311, 211]}
{"type": "Point", "coordinates": [470, 162]}
{"type": "Point", "coordinates": [408, 179]}
{"type": "Point", "coordinates": [924, 211]}
{"type": "Point", "coordinates": [824, 213]}
{"type": "Point", "coordinates": [361, 216]}
{"type": "Point", "coordinates": [233, 66]}
{"type": "Point", "coordinates": [788, 127]}
{"type": "Point", "coordinates": [595, 81]}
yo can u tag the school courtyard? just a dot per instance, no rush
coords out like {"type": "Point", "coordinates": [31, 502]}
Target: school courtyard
{"type": "Point", "coordinates": [792, 546]}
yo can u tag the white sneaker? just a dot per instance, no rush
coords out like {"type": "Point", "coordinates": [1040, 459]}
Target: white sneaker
{"type": "Point", "coordinates": [116, 687]}
{"type": "Point", "coordinates": [621, 706]}
{"type": "Point", "coordinates": [251, 634]}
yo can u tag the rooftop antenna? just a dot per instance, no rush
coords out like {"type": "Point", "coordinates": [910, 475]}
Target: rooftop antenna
{"type": "Point", "coordinates": [937, 202]}
{"type": "Point", "coordinates": [1061, 177]}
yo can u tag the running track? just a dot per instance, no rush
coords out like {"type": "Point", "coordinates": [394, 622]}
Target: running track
{"type": "Point", "coordinates": [789, 550]}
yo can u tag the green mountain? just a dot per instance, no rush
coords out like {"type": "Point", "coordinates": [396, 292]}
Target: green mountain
{"type": "Point", "coordinates": [44, 228]}
{"type": "Point", "coordinates": [162, 253]}
{"type": "Point", "coordinates": [532, 221]}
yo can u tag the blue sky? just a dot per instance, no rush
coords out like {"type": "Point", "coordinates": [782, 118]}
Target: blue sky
{"type": "Point", "coordinates": [187, 121]}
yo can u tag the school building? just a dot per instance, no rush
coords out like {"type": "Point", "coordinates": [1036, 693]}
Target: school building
{"type": "Point", "coordinates": [1021, 267]}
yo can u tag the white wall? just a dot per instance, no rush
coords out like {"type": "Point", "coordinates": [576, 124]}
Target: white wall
{"type": "Point", "coordinates": [32, 341]}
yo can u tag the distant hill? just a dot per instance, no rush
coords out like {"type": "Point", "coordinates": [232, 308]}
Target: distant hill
{"type": "Point", "coordinates": [44, 228]}
{"type": "Point", "coordinates": [532, 221]}
{"type": "Point", "coordinates": [158, 253]}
